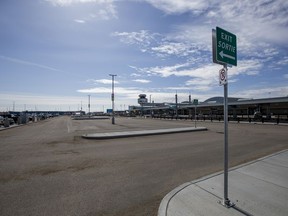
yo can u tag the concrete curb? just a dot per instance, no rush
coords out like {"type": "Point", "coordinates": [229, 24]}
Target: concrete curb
{"type": "Point", "coordinates": [123, 134]}
{"type": "Point", "coordinates": [162, 211]}
{"type": "Point", "coordinates": [15, 126]}
{"type": "Point", "coordinates": [163, 208]}
{"type": "Point", "coordinates": [92, 118]}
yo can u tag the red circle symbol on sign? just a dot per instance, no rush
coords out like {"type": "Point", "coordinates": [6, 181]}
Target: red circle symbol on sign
{"type": "Point", "coordinates": [222, 75]}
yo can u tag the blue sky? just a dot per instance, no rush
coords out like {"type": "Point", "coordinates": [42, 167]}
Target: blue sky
{"type": "Point", "coordinates": [54, 53]}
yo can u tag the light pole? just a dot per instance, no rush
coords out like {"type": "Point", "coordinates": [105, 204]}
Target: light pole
{"type": "Point", "coordinates": [112, 97]}
{"type": "Point", "coordinates": [176, 100]}
{"type": "Point", "coordinates": [89, 105]}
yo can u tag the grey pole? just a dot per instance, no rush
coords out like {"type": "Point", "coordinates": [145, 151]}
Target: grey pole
{"type": "Point", "coordinates": [176, 100]}
{"type": "Point", "coordinates": [195, 115]}
{"type": "Point", "coordinates": [112, 97]}
{"type": "Point", "coordinates": [89, 105]}
{"type": "Point", "coordinates": [226, 201]}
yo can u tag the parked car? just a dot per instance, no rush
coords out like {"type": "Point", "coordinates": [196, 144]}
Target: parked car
{"type": "Point", "coordinates": [1, 120]}
{"type": "Point", "coordinates": [11, 121]}
{"type": "Point", "coordinates": [257, 115]}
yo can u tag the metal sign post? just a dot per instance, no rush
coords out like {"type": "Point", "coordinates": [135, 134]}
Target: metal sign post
{"type": "Point", "coordinates": [226, 202]}
{"type": "Point", "coordinates": [224, 51]}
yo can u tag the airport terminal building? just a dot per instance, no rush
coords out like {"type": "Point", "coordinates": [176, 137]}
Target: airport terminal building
{"type": "Point", "coordinates": [266, 109]}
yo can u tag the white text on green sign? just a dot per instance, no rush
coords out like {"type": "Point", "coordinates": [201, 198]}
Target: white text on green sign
{"type": "Point", "coordinates": [226, 48]}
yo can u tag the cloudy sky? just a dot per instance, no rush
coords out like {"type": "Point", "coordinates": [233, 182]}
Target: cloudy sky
{"type": "Point", "coordinates": [54, 53]}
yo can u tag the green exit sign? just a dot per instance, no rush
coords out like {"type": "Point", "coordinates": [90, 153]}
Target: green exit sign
{"type": "Point", "coordinates": [226, 47]}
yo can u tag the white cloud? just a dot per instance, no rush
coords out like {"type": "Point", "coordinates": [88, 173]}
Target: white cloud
{"type": "Point", "coordinates": [174, 48]}
{"type": "Point", "coordinates": [199, 37]}
{"type": "Point", "coordinates": [180, 6]}
{"type": "Point", "coordinates": [105, 9]}
{"type": "Point", "coordinates": [165, 71]}
{"type": "Point", "coordinates": [98, 90]}
{"type": "Point", "coordinates": [248, 67]}
{"type": "Point", "coordinates": [166, 94]}
{"type": "Point", "coordinates": [283, 61]}
{"type": "Point", "coordinates": [163, 45]}
{"type": "Point", "coordinates": [205, 77]}
{"type": "Point", "coordinates": [259, 25]}
{"type": "Point", "coordinates": [135, 75]}
{"type": "Point", "coordinates": [31, 102]}
{"type": "Point", "coordinates": [180, 88]}
{"type": "Point", "coordinates": [71, 2]}
{"type": "Point", "coordinates": [143, 38]}
{"type": "Point", "coordinates": [118, 91]}
{"type": "Point", "coordinates": [142, 81]}
{"type": "Point", "coordinates": [201, 84]}
{"type": "Point", "coordinates": [23, 62]}
{"type": "Point", "coordinates": [260, 18]}
{"type": "Point", "coordinates": [79, 21]}
{"type": "Point", "coordinates": [103, 81]}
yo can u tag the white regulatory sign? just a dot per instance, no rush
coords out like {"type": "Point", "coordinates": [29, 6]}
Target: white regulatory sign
{"type": "Point", "coordinates": [222, 76]}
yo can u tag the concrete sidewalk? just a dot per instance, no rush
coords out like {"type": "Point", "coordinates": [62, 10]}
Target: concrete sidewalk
{"type": "Point", "coordinates": [256, 188]}
{"type": "Point", "coordinates": [121, 134]}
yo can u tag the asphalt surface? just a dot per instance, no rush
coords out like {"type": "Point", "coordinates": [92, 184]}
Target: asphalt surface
{"type": "Point", "coordinates": [46, 168]}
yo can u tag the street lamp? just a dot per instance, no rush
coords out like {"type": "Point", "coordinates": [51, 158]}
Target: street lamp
{"type": "Point", "coordinates": [89, 105]}
{"type": "Point", "coordinates": [112, 97]}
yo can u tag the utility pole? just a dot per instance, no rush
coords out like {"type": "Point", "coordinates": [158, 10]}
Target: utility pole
{"type": "Point", "coordinates": [176, 100]}
{"type": "Point", "coordinates": [189, 110]}
{"type": "Point", "coordinates": [89, 105]}
{"type": "Point", "coordinates": [112, 97]}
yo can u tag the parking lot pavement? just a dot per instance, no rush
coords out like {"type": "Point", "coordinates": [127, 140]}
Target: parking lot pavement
{"type": "Point", "coordinates": [257, 188]}
{"type": "Point", "coordinates": [47, 168]}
